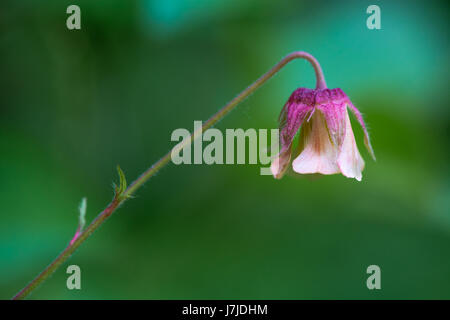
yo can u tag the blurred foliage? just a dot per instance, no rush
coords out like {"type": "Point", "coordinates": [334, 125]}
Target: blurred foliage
{"type": "Point", "coordinates": [74, 104]}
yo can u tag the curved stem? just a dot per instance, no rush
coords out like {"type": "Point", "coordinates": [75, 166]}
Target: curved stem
{"type": "Point", "coordinates": [106, 213]}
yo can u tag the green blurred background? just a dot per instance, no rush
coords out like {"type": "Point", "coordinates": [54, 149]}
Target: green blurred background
{"type": "Point", "coordinates": [74, 104]}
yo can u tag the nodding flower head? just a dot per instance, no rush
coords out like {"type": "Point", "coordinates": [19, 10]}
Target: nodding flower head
{"type": "Point", "coordinates": [327, 144]}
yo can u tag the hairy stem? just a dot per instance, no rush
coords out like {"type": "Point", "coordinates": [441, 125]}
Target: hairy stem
{"type": "Point", "coordinates": [132, 188]}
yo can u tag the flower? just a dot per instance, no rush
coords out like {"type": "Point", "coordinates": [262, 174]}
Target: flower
{"type": "Point", "coordinates": [327, 144]}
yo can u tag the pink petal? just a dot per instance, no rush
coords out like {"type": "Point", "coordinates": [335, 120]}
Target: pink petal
{"type": "Point", "coordinates": [332, 103]}
{"type": "Point", "coordinates": [281, 163]}
{"type": "Point", "coordinates": [291, 118]}
{"type": "Point", "coordinates": [349, 160]}
{"type": "Point", "coordinates": [293, 114]}
{"type": "Point", "coordinates": [366, 133]}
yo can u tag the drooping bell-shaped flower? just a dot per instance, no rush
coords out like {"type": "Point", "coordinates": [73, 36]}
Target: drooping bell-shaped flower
{"type": "Point", "coordinates": [327, 144]}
